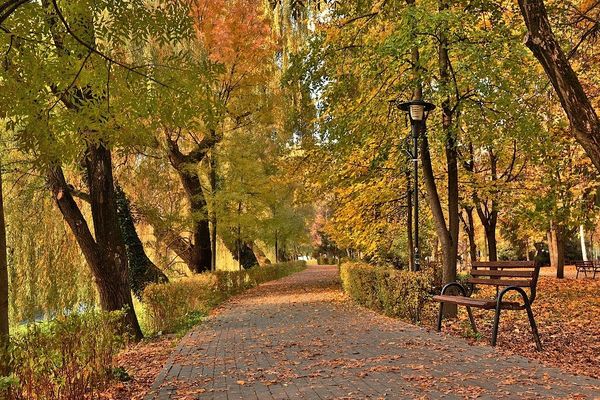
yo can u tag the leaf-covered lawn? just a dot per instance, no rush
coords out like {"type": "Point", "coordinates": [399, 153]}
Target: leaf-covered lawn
{"type": "Point", "coordinates": [567, 313]}
{"type": "Point", "coordinates": [142, 361]}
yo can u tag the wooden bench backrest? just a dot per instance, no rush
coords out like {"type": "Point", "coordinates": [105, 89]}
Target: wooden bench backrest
{"type": "Point", "coordinates": [584, 263]}
{"type": "Point", "coordinates": [505, 273]}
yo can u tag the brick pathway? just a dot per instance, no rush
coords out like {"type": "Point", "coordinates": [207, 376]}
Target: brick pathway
{"type": "Point", "coordinates": [297, 338]}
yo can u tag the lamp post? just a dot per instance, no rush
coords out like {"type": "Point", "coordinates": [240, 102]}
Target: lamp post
{"type": "Point", "coordinates": [417, 111]}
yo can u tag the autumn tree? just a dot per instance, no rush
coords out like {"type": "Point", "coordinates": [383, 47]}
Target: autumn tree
{"type": "Point", "coordinates": [233, 43]}
{"type": "Point", "coordinates": [545, 46]}
{"type": "Point", "coordinates": [67, 94]}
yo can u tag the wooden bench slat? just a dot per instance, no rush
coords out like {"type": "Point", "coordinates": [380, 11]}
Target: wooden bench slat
{"type": "Point", "coordinates": [501, 282]}
{"type": "Point", "coordinates": [503, 264]}
{"type": "Point", "coordinates": [512, 274]}
{"type": "Point", "coordinates": [466, 301]}
{"type": "Point", "coordinates": [487, 304]}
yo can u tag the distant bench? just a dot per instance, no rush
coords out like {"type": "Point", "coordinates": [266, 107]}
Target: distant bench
{"type": "Point", "coordinates": [587, 266]}
{"type": "Point", "coordinates": [513, 276]}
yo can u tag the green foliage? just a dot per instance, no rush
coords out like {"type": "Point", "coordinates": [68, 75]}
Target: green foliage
{"type": "Point", "coordinates": [142, 270]}
{"type": "Point", "coordinates": [47, 271]}
{"type": "Point", "coordinates": [67, 358]}
{"type": "Point", "coordinates": [176, 305]}
{"type": "Point", "coordinates": [120, 374]}
{"type": "Point", "coordinates": [397, 293]}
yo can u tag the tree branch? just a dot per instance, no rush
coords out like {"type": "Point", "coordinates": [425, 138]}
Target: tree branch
{"type": "Point", "coordinates": [93, 49]}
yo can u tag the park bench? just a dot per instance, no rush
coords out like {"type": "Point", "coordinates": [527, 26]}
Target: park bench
{"type": "Point", "coordinates": [587, 266]}
{"type": "Point", "coordinates": [512, 276]}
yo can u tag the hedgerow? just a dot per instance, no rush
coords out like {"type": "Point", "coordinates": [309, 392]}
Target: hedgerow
{"type": "Point", "coordinates": [397, 293]}
{"type": "Point", "coordinates": [169, 306]}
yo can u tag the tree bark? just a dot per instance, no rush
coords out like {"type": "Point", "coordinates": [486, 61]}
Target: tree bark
{"type": "Point", "coordinates": [4, 322]}
{"type": "Point", "coordinates": [105, 250]}
{"type": "Point", "coordinates": [489, 214]}
{"type": "Point", "coordinates": [449, 248]}
{"type": "Point", "coordinates": [469, 225]}
{"type": "Point", "coordinates": [556, 245]}
{"type": "Point", "coordinates": [260, 255]}
{"type": "Point", "coordinates": [489, 220]}
{"type": "Point", "coordinates": [244, 253]}
{"type": "Point", "coordinates": [584, 254]}
{"type": "Point", "coordinates": [276, 246]}
{"type": "Point", "coordinates": [196, 254]}
{"type": "Point", "coordinates": [543, 44]}
{"type": "Point", "coordinates": [490, 233]}
{"type": "Point", "coordinates": [142, 271]}
{"type": "Point", "coordinates": [213, 212]}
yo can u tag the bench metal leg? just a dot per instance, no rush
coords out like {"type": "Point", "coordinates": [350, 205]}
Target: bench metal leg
{"type": "Point", "coordinates": [440, 316]}
{"type": "Point", "coordinates": [495, 329]}
{"type": "Point", "coordinates": [577, 274]}
{"type": "Point", "coordinates": [472, 319]}
{"type": "Point", "coordinates": [534, 330]}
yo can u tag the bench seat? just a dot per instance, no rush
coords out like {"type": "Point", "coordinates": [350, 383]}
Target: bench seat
{"type": "Point", "coordinates": [486, 304]}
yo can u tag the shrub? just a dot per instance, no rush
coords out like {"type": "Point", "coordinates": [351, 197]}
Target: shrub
{"type": "Point", "coordinates": [168, 304]}
{"type": "Point", "coordinates": [173, 306]}
{"type": "Point", "coordinates": [67, 358]}
{"type": "Point", "coordinates": [397, 293]}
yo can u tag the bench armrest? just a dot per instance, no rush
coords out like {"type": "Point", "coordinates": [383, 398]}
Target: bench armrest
{"type": "Point", "coordinates": [518, 289]}
{"type": "Point", "coordinates": [455, 284]}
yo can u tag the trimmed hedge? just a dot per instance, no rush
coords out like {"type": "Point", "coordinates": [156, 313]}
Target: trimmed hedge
{"type": "Point", "coordinates": [396, 293]}
{"type": "Point", "coordinates": [170, 305]}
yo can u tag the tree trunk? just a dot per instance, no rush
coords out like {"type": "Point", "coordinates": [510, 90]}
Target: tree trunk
{"type": "Point", "coordinates": [276, 247]}
{"type": "Point", "coordinates": [261, 257]}
{"type": "Point", "coordinates": [449, 249]}
{"type": "Point", "coordinates": [198, 254]}
{"type": "Point", "coordinates": [213, 212]}
{"type": "Point", "coordinates": [105, 253]}
{"type": "Point", "coordinates": [239, 238]}
{"type": "Point", "coordinates": [556, 245]}
{"type": "Point", "coordinates": [451, 242]}
{"type": "Point", "coordinates": [490, 234]}
{"type": "Point", "coordinates": [489, 214]}
{"type": "Point", "coordinates": [115, 295]}
{"type": "Point", "coordinates": [4, 322]}
{"type": "Point", "coordinates": [469, 225]}
{"type": "Point", "coordinates": [242, 252]}
{"type": "Point", "coordinates": [142, 271]}
{"type": "Point", "coordinates": [447, 234]}
{"type": "Point", "coordinates": [544, 46]}
{"type": "Point", "coordinates": [584, 254]}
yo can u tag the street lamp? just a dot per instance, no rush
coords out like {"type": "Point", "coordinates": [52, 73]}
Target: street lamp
{"type": "Point", "coordinates": [417, 111]}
